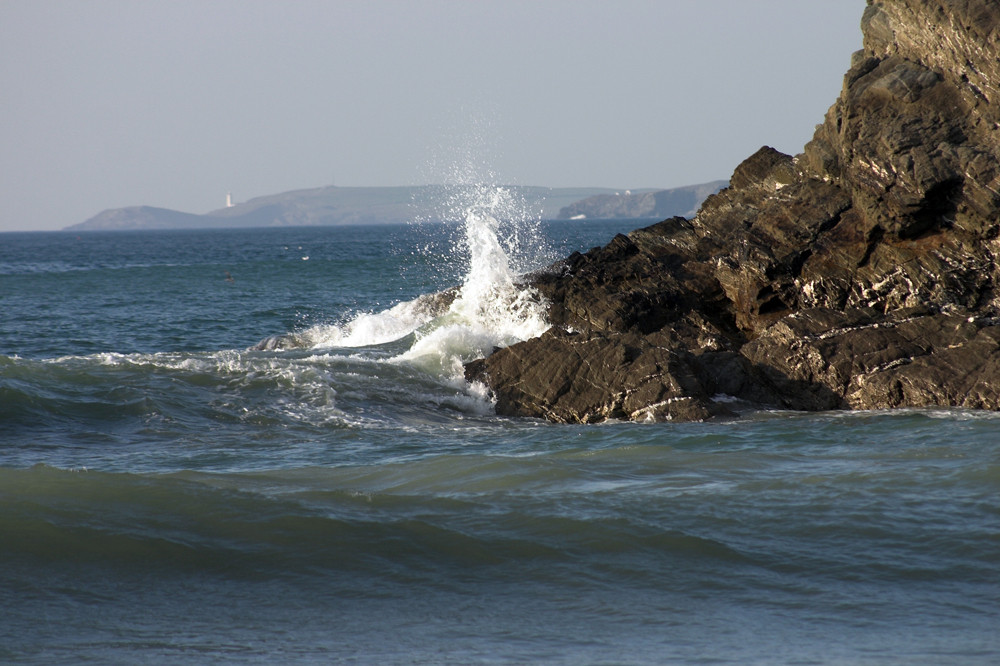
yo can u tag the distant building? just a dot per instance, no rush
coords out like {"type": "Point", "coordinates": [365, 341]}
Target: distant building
{"type": "Point", "coordinates": [229, 199]}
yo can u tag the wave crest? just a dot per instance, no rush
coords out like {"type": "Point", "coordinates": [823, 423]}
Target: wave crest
{"type": "Point", "coordinates": [489, 309]}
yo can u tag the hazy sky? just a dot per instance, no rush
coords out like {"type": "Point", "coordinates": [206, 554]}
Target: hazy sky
{"type": "Point", "coordinates": [174, 103]}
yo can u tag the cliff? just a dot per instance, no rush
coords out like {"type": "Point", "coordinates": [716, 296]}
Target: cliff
{"type": "Point", "coordinates": [860, 274]}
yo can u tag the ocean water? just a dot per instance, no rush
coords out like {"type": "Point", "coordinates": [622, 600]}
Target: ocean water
{"type": "Point", "coordinates": [255, 446]}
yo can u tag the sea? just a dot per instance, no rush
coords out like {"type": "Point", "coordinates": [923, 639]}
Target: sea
{"type": "Point", "coordinates": [256, 446]}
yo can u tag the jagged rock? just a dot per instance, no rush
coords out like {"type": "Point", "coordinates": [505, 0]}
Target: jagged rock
{"type": "Point", "coordinates": [913, 357]}
{"type": "Point", "coordinates": [860, 274]}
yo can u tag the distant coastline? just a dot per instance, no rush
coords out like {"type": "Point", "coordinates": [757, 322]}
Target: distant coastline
{"type": "Point", "coordinates": [327, 206]}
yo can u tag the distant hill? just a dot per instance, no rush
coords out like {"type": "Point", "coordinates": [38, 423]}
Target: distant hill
{"type": "Point", "coordinates": [350, 205]}
{"type": "Point", "coordinates": [140, 217]}
{"type": "Point", "coordinates": [659, 204]}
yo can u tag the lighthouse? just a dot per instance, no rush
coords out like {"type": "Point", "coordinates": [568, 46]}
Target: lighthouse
{"type": "Point", "coordinates": [229, 199]}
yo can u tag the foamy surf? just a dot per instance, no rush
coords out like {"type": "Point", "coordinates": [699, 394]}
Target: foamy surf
{"type": "Point", "coordinates": [365, 329]}
{"type": "Point", "coordinates": [489, 309]}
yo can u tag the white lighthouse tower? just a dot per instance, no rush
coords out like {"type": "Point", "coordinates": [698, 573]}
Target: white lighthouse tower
{"type": "Point", "coordinates": [229, 199]}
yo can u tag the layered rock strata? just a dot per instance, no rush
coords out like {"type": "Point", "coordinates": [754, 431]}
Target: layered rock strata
{"type": "Point", "coordinates": [859, 274]}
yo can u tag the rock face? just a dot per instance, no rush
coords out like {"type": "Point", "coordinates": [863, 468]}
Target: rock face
{"type": "Point", "coordinates": [859, 274]}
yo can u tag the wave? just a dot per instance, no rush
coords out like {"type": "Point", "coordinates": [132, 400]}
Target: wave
{"type": "Point", "coordinates": [305, 520]}
{"type": "Point", "coordinates": [374, 368]}
{"type": "Point", "coordinates": [365, 329]}
{"type": "Point", "coordinates": [222, 399]}
{"type": "Point", "coordinates": [463, 512]}
{"type": "Point", "coordinates": [442, 331]}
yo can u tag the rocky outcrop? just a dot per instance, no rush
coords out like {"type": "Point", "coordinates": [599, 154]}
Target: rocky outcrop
{"type": "Point", "coordinates": [859, 274]}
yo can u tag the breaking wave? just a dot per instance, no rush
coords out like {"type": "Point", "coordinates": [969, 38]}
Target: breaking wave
{"type": "Point", "coordinates": [439, 332]}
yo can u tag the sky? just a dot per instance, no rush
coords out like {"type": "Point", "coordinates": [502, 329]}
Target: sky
{"type": "Point", "coordinates": [114, 103]}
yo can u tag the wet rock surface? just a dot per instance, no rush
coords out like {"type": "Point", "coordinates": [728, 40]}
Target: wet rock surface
{"type": "Point", "coordinates": [859, 274]}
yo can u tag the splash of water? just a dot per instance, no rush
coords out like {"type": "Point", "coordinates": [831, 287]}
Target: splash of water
{"type": "Point", "coordinates": [490, 309]}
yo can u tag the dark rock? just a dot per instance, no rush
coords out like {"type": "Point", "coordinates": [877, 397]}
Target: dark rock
{"type": "Point", "coordinates": [860, 274]}
{"type": "Point", "coordinates": [589, 377]}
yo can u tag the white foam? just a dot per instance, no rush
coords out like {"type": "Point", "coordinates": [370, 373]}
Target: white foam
{"type": "Point", "coordinates": [490, 310]}
{"type": "Point", "coordinates": [370, 328]}
{"type": "Point", "coordinates": [365, 329]}
{"type": "Point", "coordinates": [487, 311]}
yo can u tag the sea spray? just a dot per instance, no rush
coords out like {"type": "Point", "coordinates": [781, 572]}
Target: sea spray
{"type": "Point", "coordinates": [491, 309]}
{"type": "Point", "coordinates": [496, 239]}
{"type": "Point", "coordinates": [365, 329]}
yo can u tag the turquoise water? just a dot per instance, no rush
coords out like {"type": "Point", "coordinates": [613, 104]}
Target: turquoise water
{"type": "Point", "coordinates": [168, 494]}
